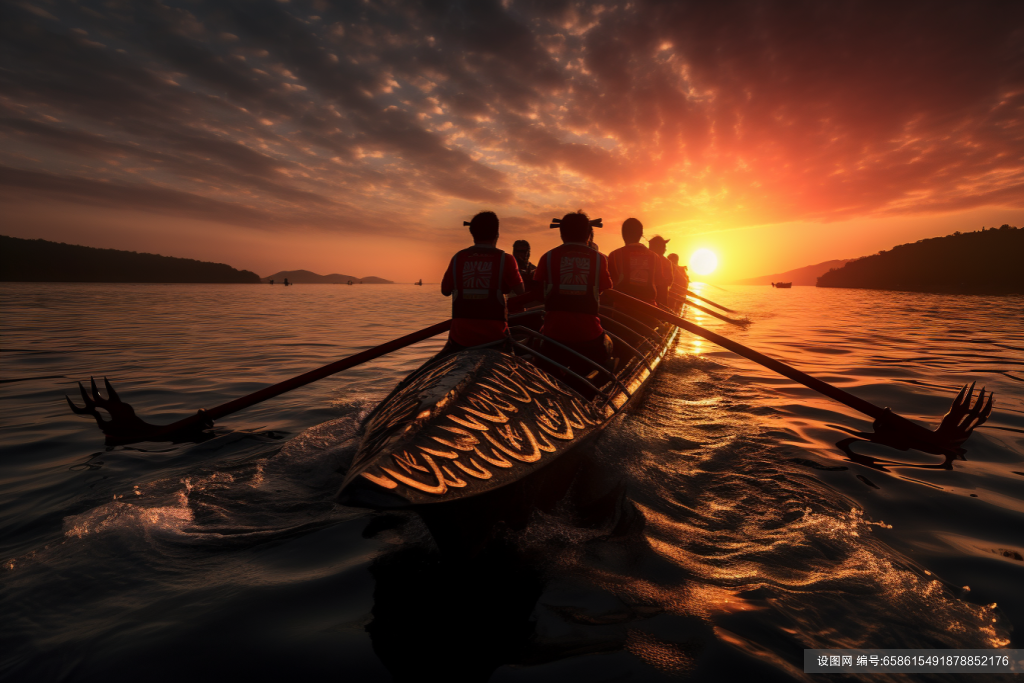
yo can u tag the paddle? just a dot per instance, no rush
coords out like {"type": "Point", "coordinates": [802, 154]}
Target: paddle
{"type": "Point", "coordinates": [125, 427]}
{"type": "Point", "coordinates": [679, 294]}
{"type": "Point", "coordinates": [740, 323]}
{"type": "Point", "coordinates": [951, 431]}
{"type": "Point", "coordinates": [709, 301]}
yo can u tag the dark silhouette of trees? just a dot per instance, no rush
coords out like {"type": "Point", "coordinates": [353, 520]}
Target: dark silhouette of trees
{"type": "Point", "coordinates": [44, 261]}
{"type": "Point", "coordinates": [983, 262]}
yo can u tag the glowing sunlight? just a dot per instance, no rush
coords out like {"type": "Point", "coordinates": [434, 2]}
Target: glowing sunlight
{"type": "Point", "coordinates": [703, 262]}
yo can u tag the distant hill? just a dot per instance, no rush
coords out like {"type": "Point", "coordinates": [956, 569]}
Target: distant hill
{"type": "Point", "coordinates": [305, 277]}
{"type": "Point", "coordinates": [808, 275]}
{"type": "Point", "coordinates": [983, 262]}
{"type": "Point", "coordinates": [24, 260]}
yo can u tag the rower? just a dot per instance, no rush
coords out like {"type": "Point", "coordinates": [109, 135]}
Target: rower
{"type": "Point", "coordinates": [635, 269]}
{"type": "Point", "coordinates": [521, 252]}
{"type": "Point", "coordinates": [573, 276]}
{"type": "Point", "coordinates": [657, 244]}
{"type": "Point", "coordinates": [477, 279]}
{"type": "Point", "coordinates": [679, 275]}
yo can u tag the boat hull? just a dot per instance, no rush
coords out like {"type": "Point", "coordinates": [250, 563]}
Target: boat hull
{"type": "Point", "coordinates": [478, 421]}
{"type": "Point", "coordinates": [470, 423]}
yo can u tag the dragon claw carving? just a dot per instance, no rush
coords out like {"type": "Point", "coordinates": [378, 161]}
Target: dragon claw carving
{"type": "Point", "coordinates": [122, 416]}
{"type": "Point", "coordinates": [124, 426]}
{"type": "Point", "coordinates": [963, 417]}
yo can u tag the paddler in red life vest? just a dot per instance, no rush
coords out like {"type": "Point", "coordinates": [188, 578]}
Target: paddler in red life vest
{"type": "Point", "coordinates": [635, 269]}
{"type": "Point", "coordinates": [573, 276]}
{"type": "Point", "coordinates": [477, 279]}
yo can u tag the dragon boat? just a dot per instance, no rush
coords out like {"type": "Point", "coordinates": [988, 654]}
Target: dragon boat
{"type": "Point", "coordinates": [488, 432]}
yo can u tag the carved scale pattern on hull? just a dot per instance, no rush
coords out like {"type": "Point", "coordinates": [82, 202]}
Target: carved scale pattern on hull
{"type": "Point", "coordinates": [474, 422]}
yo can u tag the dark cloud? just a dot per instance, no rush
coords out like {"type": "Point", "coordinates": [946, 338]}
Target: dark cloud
{"type": "Point", "coordinates": [341, 116]}
{"type": "Point", "coordinates": [20, 184]}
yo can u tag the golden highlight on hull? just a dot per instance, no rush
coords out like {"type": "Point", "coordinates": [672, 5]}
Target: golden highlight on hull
{"type": "Point", "coordinates": [480, 419]}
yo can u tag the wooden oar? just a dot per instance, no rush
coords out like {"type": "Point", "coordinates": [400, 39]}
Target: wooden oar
{"type": "Point", "coordinates": [956, 426]}
{"type": "Point", "coordinates": [124, 426]}
{"type": "Point", "coordinates": [709, 301]}
{"type": "Point", "coordinates": [740, 323]}
{"type": "Point", "coordinates": [678, 295]}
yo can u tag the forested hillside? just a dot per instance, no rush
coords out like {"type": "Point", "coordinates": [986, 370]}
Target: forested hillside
{"type": "Point", "coordinates": [989, 261]}
{"type": "Point", "coordinates": [44, 261]}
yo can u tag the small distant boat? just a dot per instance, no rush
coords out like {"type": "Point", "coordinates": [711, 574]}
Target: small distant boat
{"type": "Point", "coordinates": [420, 283]}
{"type": "Point", "coordinates": [349, 282]}
{"type": "Point", "coordinates": [782, 285]}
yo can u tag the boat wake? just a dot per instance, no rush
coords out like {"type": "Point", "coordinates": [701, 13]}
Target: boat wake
{"type": "Point", "coordinates": [250, 489]}
{"type": "Point", "coordinates": [717, 552]}
{"type": "Point", "coordinates": [745, 558]}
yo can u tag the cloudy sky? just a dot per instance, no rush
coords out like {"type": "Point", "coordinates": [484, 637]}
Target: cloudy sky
{"type": "Point", "coordinates": [356, 136]}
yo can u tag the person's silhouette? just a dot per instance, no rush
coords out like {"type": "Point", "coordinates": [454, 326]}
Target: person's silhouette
{"type": "Point", "coordinates": [477, 279]}
{"type": "Point", "coordinates": [573, 276]}
{"type": "Point", "coordinates": [635, 269]}
{"type": "Point", "coordinates": [521, 251]}
{"type": "Point", "coordinates": [658, 244]}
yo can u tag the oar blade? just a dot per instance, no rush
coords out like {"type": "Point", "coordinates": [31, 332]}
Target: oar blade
{"type": "Point", "coordinates": [953, 430]}
{"type": "Point", "coordinates": [124, 426]}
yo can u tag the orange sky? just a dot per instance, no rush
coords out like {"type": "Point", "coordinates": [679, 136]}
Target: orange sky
{"type": "Point", "coordinates": [356, 139]}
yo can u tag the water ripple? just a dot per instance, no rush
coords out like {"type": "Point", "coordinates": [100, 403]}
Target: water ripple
{"type": "Point", "coordinates": [770, 525]}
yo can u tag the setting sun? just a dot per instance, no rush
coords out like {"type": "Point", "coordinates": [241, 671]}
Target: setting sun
{"type": "Point", "coordinates": [703, 262]}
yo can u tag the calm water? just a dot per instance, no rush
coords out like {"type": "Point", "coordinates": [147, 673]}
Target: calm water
{"type": "Point", "coordinates": [762, 537]}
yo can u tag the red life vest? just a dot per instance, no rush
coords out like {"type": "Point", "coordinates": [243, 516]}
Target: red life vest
{"type": "Point", "coordinates": [636, 269]}
{"type": "Point", "coordinates": [572, 279]}
{"type": "Point", "coordinates": [477, 276]}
